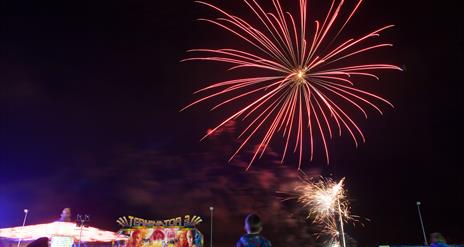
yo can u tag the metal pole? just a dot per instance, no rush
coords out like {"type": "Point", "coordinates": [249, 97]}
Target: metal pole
{"type": "Point", "coordinates": [81, 221]}
{"type": "Point", "coordinates": [341, 223]}
{"type": "Point", "coordinates": [24, 223]}
{"type": "Point", "coordinates": [211, 236]}
{"type": "Point", "coordinates": [422, 223]}
{"type": "Point", "coordinates": [80, 236]}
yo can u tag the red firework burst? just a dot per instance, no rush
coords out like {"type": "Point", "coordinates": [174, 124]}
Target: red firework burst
{"type": "Point", "coordinates": [305, 83]}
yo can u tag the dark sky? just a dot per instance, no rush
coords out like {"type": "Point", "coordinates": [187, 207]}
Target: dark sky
{"type": "Point", "coordinates": [90, 93]}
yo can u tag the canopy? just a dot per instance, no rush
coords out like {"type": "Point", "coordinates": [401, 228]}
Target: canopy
{"type": "Point", "coordinates": [89, 234]}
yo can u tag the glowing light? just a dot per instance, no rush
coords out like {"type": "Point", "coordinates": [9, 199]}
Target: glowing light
{"type": "Point", "coordinates": [335, 244]}
{"type": "Point", "coordinates": [305, 77]}
{"type": "Point", "coordinates": [321, 198]}
{"type": "Point", "coordinates": [32, 232]}
{"type": "Point", "coordinates": [327, 205]}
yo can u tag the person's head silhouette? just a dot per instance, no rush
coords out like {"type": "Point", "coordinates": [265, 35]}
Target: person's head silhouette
{"type": "Point", "coordinates": [253, 227]}
{"type": "Point", "coordinates": [65, 215]}
{"type": "Point", "coordinates": [253, 224]}
{"type": "Point", "coordinates": [437, 240]}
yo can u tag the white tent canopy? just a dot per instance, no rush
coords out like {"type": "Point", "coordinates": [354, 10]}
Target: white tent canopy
{"type": "Point", "coordinates": [89, 234]}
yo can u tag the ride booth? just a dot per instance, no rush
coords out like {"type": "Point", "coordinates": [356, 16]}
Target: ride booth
{"type": "Point", "coordinates": [58, 234]}
{"type": "Point", "coordinates": [176, 232]}
{"type": "Point", "coordinates": [135, 232]}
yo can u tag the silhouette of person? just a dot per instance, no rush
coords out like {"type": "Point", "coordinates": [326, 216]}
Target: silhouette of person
{"type": "Point", "coordinates": [65, 215]}
{"type": "Point", "coordinates": [437, 240]}
{"type": "Point", "coordinates": [252, 238]}
{"type": "Point", "coordinates": [40, 242]}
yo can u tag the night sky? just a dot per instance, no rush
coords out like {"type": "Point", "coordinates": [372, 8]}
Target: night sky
{"type": "Point", "coordinates": [90, 93]}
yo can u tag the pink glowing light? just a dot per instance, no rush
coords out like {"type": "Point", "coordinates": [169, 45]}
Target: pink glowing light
{"type": "Point", "coordinates": [89, 234]}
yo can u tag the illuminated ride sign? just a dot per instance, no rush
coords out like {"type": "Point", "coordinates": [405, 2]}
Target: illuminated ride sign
{"type": "Point", "coordinates": [175, 232]}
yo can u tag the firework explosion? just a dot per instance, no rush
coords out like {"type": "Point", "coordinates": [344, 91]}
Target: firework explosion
{"type": "Point", "coordinates": [302, 81]}
{"type": "Point", "coordinates": [327, 205]}
{"type": "Point", "coordinates": [322, 197]}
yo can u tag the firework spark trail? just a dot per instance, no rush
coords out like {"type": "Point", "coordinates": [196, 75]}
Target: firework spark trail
{"type": "Point", "coordinates": [300, 95]}
{"type": "Point", "coordinates": [327, 205]}
{"type": "Point", "coordinates": [321, 198]}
